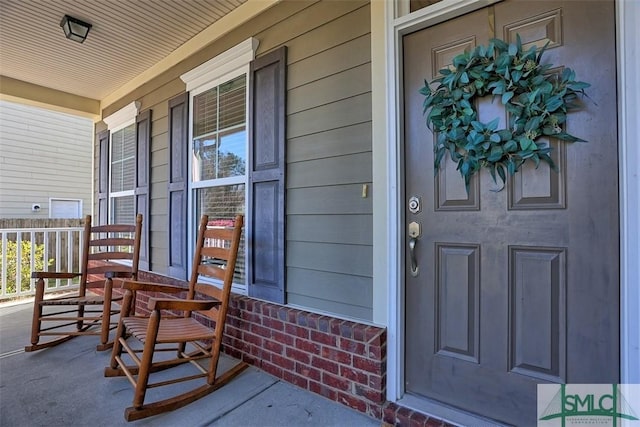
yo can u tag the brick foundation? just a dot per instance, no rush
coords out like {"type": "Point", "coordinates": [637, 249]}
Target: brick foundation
{"type": "Point", "coordinates": [400, 416]}
{"type": "Point", "coordinates": [341, 360]}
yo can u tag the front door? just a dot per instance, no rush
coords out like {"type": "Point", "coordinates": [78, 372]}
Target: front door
{"type": "Point", "coordinates": [507, 289]}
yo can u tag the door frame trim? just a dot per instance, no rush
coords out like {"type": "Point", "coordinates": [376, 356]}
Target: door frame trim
{"type": "Point", "coordinates": [628, 60]}
{"type": "Point", "coordinates": [628, 53]}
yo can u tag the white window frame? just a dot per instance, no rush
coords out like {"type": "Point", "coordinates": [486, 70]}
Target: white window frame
{"type": "Point", "coordinates": [119, 120]}
{"type": "Point", "coordinates": [53, 200]}
{"type": "Point", "coordinates": [206, 183]}
{"type": "Point", "coordinates": [218, 70]}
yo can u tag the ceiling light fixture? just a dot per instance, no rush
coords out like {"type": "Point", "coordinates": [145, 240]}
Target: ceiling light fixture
{"type": "Point", "coordinates": [75, 29]}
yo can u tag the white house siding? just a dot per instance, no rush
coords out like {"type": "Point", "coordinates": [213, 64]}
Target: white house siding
{"type": "Point", "coordinates": [43, 154]}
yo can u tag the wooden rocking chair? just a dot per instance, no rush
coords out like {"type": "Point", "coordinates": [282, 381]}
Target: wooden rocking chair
{"type": "Point", "coordinates": [215, 257]}
{"type": "Point", "coordinates": [108, 252]}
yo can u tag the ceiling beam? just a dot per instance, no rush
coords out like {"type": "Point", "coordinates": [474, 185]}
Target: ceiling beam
{"type": "Point", "coordinates": [30, 94]}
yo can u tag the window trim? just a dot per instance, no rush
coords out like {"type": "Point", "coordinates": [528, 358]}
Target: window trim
{"type": "Point", "coordinates": [123, 117]}
{"type": "Point", "coordinates": [224, 64]}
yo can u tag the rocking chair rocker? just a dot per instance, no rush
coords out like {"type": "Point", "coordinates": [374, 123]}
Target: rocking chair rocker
{"type": "Point", "coordinates": [215, 257]}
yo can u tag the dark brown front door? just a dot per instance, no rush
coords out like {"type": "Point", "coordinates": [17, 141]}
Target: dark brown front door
{"type": "Point", "coordinates": [520, 286]}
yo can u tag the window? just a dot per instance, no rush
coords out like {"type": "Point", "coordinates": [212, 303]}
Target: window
{"type": "Point", "coordinates": [122, 174]}
{"type": "Point", "coordinates": [226, 156]}
{"type": "Point", "coordinates": [219, 156]}
{"type": "Point", "coordinates": [65, 208]}
{"type": "Point", "coordinates": [218, 143]}
{"type": "Point", "coordinates": [122, 165]}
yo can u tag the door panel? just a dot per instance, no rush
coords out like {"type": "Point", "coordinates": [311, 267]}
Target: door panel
{"type": "Point", "coordinates": [520, 286]}
{"type": "Point", "coordinates": [541, 354]}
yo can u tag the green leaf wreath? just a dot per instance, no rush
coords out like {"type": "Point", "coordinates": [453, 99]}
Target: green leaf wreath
{"type": "Point", "coordinates": [537, 102]}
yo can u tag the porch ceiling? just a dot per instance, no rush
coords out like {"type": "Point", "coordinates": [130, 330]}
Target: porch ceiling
{"type": "Point", "coordinates": [127, 38]}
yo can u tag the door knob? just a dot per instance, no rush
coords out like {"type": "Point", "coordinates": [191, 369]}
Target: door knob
{"type": "Point", "coordinates": [414, 233]}
{"type": "Point", "coordinates": [412, 256]}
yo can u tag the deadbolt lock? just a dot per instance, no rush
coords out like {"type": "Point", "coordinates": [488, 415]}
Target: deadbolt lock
{"type": "Point", "coordinates": [414, 230]}
{"type": "Point", "coordinates": [414, 205]}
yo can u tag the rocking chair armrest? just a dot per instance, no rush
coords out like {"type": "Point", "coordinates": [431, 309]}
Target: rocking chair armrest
{"type": "Point", "coordinates": [181, 304]}
{"type": "Point", "coordinates": [134, 285]}
{"type": "Point", "coordinates": [53, 275]}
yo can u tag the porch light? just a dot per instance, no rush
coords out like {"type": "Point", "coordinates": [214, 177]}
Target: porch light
{"type": "Point", "coordinates": [75, 29]}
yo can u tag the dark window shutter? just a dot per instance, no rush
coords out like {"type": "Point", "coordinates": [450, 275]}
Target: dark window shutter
{"type": "Point", "coordinates": [141, 192]}
{"type": "Point", "coordinates": [265, 210]}
{"type": "Point", "coordinates": [178, 180]}
{"type": "Point", "coordinates": [103, 177]}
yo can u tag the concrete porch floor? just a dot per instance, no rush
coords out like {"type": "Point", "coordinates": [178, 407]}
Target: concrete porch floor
{"type": "Point", "coordinates": [65, 386]}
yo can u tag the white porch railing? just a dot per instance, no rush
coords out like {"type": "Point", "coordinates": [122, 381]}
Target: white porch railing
{"type": "Point", "coordinates": [25, 250]}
